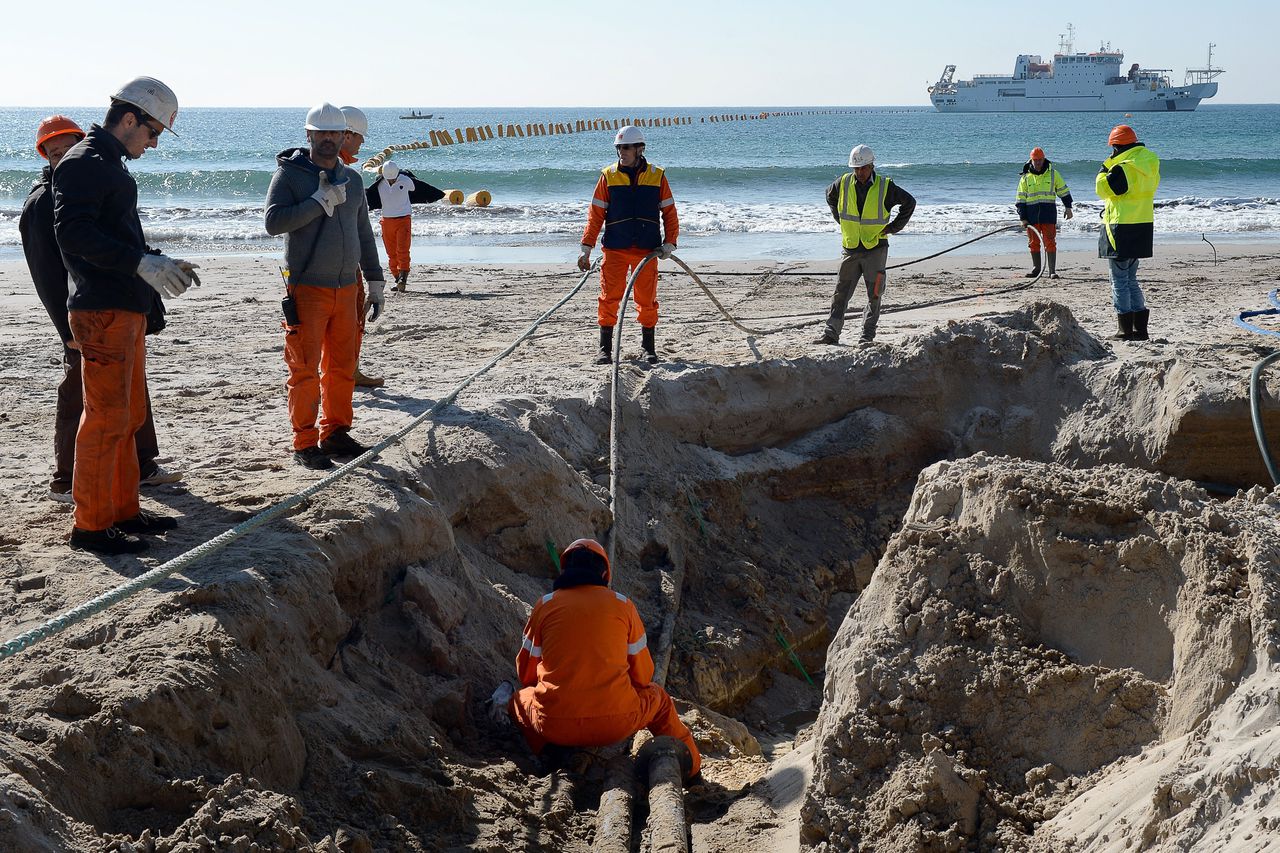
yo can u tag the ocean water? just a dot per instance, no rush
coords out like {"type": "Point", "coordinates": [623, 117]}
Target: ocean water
{"type": "Point", "coordinates": [747, 189]}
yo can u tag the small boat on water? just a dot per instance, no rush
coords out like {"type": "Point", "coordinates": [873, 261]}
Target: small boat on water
{"type": "Point", "coordinates": [416, 114]}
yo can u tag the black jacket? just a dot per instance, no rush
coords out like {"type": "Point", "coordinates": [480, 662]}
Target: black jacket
{"type": "Point", "coordinates": [95, 218]}
{"type": "Point", "coordinates": [422, 192]}
{"type": "Point", "coordinates": [43, 258]}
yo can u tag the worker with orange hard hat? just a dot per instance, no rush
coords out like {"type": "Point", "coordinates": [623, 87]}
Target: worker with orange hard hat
{"type": "Point", "coordinates": [629, 198]}
{"type": "Point", "coordinates": [55, 136]}
{"type": "Point", "coordinates": [584, 666]}
{"type": "Point", "coordinates": [1127, 184]}
{"type": "Point", "coordinates": [1039, 187]}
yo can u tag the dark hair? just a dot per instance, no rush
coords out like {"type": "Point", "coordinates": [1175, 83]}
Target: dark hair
{"type": "Point", "coordinates": [581, 566]}
{"type": "Point", "coordinates": [119, 109]}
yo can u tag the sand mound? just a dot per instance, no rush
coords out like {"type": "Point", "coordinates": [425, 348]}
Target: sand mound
{"type": "Point", "coordinates": [1056, 659]}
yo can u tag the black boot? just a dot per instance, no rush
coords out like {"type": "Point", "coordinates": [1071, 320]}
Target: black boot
{"type": "Point", "coordinates": [646, 341]}
{"type": "Point", "coordinates": [1126, 327]}
{"type": "Point", "coordinates": [1035, 265]}
{"type": "Point", "coordinates": [1053, 263]}
{"type": "Point", "coordinates": [1140, 325]}
{"type": "Point", "coordinates": [606, 345]}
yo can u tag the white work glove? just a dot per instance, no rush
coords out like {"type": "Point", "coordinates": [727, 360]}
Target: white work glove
{"type": "Point", "coordinates": [329, 195]}
{"type": "Point", "coordinates": [584, 259]}
{"type": "Point", "coordinates": [374, 298]}
{"type": "Point", "coordinates": [666, 250]}
{"type": "Point", "coordinates": [164, 275]}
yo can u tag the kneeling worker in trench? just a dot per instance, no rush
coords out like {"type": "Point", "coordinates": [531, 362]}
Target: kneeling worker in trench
{"type": "Point", "coordinates": [585, 671]}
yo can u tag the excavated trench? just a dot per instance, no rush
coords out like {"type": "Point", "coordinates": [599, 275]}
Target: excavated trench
{"type": "Point", "coordinates": [330, 681]}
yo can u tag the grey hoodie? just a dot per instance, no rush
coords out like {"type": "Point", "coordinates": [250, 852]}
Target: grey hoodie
{"type": "Point", "coordinates": [320, 250]}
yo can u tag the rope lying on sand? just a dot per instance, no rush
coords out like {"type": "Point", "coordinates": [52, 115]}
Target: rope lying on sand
{"type": "Point", "coordinates": [77, 614]}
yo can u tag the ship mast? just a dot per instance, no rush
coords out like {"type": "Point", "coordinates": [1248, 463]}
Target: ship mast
{"type": "Point", "coordinates": [1067, 42]}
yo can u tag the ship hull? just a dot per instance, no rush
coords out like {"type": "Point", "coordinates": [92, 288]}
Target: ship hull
{"type": "Point", "coordinates": [1032, 99]}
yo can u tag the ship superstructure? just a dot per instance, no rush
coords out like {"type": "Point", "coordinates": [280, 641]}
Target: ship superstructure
{"type": "Point", "coordinates": [1075, 82]}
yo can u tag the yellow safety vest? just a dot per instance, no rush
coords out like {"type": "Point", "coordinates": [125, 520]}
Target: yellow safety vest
{"type": "Point", "coordinates": [1137, 205]}
{"type": "Point", "coordinates": [863, 227]}
{"type": "Point", "coordinates": [1041, 189]}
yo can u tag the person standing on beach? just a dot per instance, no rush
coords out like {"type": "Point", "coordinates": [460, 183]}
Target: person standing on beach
{"type": "Point", "coordinates": [116, 277]}
{"type": "Point", "coordinates": [860, 201]}
{"type": "Point", "coordinates": [54, 138]}
{"type": "Point", "coordinates": [1127, 184]}
{"type": "Point", "coordinates": [352, 139]}
{"type": "Point", "coordinates": [395, 193]}
{"type": "Point", "coordinates": [1039, 187]}
{"type": "Point", "coordinates": [629, 197]}
{"type": "Point", "coordinates": [318, 204]}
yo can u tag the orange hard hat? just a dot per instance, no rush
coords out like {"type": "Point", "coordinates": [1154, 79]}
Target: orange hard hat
{"type": "Point", "coordinates": [55, 126]}
{"type": "Point", "coordinates": [1037, 153]}
{"type": "Point", "coordinates": [588, 545]}
{"type": "Point", "coordinates": [1122, 134]}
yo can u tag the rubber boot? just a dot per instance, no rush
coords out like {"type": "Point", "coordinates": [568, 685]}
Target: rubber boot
{"type": "Point", "coordinates": [647, 343]}
{"type": "Point", "coordinates": [1140, 325]}
{"type": "Point", "coordinates": [1035, 265]}
{"type": "Point", "coordinates": [1053, 264]}
{"type": "Point", "coordinates": [606, 345]}
{"type": "Point", "coordinates": [1126, 326]}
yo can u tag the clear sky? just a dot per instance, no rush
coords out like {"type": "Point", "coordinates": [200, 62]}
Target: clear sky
{"type": "Point", "coordinates": [571, 53]}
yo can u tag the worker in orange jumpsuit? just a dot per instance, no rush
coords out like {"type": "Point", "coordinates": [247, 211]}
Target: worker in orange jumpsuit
{"type": "Point", "coordinates": [352, 139]}
{"type": "Point", "coordinates": [585, 671]}
{"type": "Point", "coordinates": [628, 199]}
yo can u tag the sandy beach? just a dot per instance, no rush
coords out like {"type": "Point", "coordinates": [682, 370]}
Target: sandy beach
{"type": "Point", "coordinates": [323, 677]}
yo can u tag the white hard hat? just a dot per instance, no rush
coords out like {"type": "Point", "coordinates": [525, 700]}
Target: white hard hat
{"type": "Point", "coordinates": [325, 117]}
{"type": "Point", "coordinates": [629, 135]}
{"type": "Point", "coordinates": [861, 155]}
{"type": "Point", "coordinates": [152, 97]}
{"type": "Point", "coordinates": [357, 121]}
{"type": "Point", "coordinates": [390, 170]}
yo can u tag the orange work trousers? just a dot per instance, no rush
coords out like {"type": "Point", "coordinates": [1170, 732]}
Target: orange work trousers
{"type": "Point", "coordinates": [1050, 232]}
{"type": "Point", "coordinates": [104, 481]}
{"type": "Point", "coordinates": [396, 236]}
{"type": "Point", "coordinates": [614, 272]}
{"type": "Point", "coordinates": [321, 355]}
{"type": "Point", "coordinates": [657, 713]}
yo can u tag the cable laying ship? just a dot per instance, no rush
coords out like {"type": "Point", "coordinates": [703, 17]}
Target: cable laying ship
{"type": "Point", "coordinates": [1074, 82]}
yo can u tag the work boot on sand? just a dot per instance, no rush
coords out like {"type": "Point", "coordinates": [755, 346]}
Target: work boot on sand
{"type": "Point", "coordinates": [109, 541]}
{"type": "Point", "coordinates": [1035, 265]}
{"type": "Point", "coordinates": [647, 343]}
{"type": "Point", "coordinates": [605, 355]}
{"type": "Point", "coordinates": [1125, 321]}
{"type": "Point", "coordinates": [363, 381]}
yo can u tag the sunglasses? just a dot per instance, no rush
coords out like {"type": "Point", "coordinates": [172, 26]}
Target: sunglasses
{"type": "Point", "coordinates": [628, 146]}
{"type": "Point", "coordinates": [151, 129]}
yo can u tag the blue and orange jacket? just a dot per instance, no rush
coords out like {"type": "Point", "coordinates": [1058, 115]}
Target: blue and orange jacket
{"type": "Point", "coordinates": [585, 649]}
{"type": "Point", "coordinates": [627, 203]}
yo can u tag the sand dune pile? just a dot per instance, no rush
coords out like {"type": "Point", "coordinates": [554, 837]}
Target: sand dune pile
{"type": "Point", "coordinates": [1057, 659]}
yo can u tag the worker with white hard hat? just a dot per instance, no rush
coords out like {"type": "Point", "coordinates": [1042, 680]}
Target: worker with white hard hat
{"type": "Point", "coordinates": [117, 280]}
{"type": "Point", "coordinates": [860, 201]}
{"type": "Point", "coordinates": [318, 204]}
{"type": "Point", "coordinates": [394, 193]}
{"type": "Point", "coordinates": [349, 153]}
{"type": "Point", "coordinates": [629, 198]}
